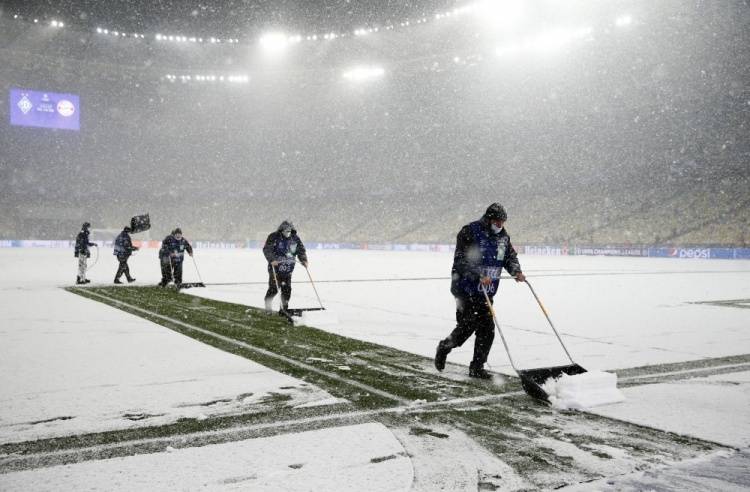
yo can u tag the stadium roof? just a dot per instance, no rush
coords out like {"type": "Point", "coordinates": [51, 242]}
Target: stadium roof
{"type": "Point", "coordinates": [236, 18]}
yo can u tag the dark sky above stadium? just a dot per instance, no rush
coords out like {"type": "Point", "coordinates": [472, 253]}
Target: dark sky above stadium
{"type": "Point", "coordinates": [235, 18]}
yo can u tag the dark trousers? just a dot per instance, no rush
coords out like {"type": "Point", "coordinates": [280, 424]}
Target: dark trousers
{"type": "Point", "coordinates": [473, 317]}
{"type": "Point", "coordinates": [123, 268]}
{"type": "Point", "coordinates": [285, 283]}
{"type": "Point", "coordinates": [171, 268]}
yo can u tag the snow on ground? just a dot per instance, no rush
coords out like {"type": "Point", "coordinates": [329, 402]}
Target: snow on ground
{"type": "Point", "coordinates": [583, 391]}
{"type": "Point", "coordinates": [64, 352]}
{"type": "Point", "coordinates": [725, 471]}
{"type": "Point", "coordinates": [614, 312]}
{"type": "Point", "coordinates": [361, 457]}
{"type": "Point", "coordinates": [69, 365]}
{"type": "Point", "coordinates": [714, 408]}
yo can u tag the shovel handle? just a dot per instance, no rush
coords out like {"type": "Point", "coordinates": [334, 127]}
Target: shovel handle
{"type": "Point", "coordinates": [549, 320]}
{"type": "Point", "coordinates": [313, 286]}
{"type": "Point", "coordinates": [275, 279]}
{"type": "Point", "coordinates": [196, 269]}
{"type": "Point", "coordinates": [497, 325]}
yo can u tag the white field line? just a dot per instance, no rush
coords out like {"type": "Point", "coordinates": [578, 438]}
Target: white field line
{"type": "Point", "coordinates": [234, 431]}
{"type": "Point", "coordinates": [740, 366]}
{"type": "Point", "coordinates": [411, 408]}
{"type": "Point", "coordinates": [407, 407]}
{"type": "Point", "coordinates": [258, 350]}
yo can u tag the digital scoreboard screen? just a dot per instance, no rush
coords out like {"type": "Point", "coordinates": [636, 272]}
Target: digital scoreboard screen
{"type": "Point", "coordinates": [44, 109]}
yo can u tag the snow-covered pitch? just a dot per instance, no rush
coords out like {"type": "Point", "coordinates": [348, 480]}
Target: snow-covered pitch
{"type": "Point", "coordinates": [69, 365]}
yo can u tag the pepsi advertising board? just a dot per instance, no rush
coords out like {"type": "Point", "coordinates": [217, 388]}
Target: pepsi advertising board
{"type": "Point", "coordinates": [44, 109]}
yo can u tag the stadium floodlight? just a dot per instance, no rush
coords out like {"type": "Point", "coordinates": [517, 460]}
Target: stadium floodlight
{"type": "Point", "coordinates": [556, 39]}
{"type": "Point", "coordinates": [99, 30]}
{"type": "Point", "coordinates": [547, 42]}
{"type": "Point", "coordinates": [511, 49]}
{"type": "Point", "coordinates": [624, 20]}
{"type": "Point", "coordinates": [274, 43]}
{"type": "Point", "coordinates": [550, 41]}
{"type": "Point", "coordinates": [363, 73]}
{"type": "Point", "coordinates": [499, 14]}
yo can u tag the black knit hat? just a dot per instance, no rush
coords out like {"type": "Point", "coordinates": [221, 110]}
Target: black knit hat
{"type": "Point", "coordinates": [177, 231]}
{"type": "Point", "coordinates": [85, 225]}
{"type": "Point", "coordinates": [496, 212]}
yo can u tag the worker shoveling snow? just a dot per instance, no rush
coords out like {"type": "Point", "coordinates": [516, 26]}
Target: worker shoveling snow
{"type": "Point", "coordinates": [581, 391]}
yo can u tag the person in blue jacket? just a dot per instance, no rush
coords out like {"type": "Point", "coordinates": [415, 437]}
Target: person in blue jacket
{"type": "Point", "coordinates": [281, 250]}
{"type": "Point", "coordinates": [123, 249]}
{"type": "Point", "coordinates": [82, 252]}
{"type": "Point", "coordinates": [483, 249]}
{"type": "Point", "coordinates": [171, 257]}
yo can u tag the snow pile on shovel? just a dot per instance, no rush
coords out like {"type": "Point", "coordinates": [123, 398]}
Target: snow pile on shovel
{"type": "Point", "coordinates": [318, 318]}
{"type": "Point", "coordinates": [586, 390]}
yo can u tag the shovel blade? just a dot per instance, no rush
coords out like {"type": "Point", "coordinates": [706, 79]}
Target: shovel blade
{"type": "Point", "coordinates": [299, 311]}
{"type": "Point", "coordinates": [189, 285]}
{"type": "Point", "coordinates": [533, 379]}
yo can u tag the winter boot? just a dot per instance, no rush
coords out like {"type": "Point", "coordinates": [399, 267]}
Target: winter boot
{"type": "Point", "coordinates": [131, 280]}
{"type": "Point", "coordinates": [79, 281]}
{"type": "Point", "coordinates": [443, 349]}
{"type": "Point", "coordinates": [117, 281]}
{"type": "Point", "coordinates": [477, 371]}
{"type": "Point", "coordinates": [86, 281]}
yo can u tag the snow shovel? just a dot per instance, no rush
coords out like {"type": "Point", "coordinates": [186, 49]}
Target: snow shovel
{"type": "Point", "coordinates": [187, 285]}
{"type": "Point", "coordinates": [314, 318]}
{"type": "Point", "coordinates": [533, 379]}
{"type": "Point", "coordinates": [299, 311]}
{"type": "Point", "coordinates": [195, 284]}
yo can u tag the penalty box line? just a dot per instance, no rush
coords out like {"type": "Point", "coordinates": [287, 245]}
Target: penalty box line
{"type": "Point", "coordinates": [258, 350]}
{"type": "Point", "coordinates": [236, 433]}
{"type": "Point", "coordinates": [244, 432]}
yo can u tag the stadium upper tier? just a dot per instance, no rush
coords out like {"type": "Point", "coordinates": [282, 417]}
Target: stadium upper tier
{"type": "Point", "coordinates": [623, 135]}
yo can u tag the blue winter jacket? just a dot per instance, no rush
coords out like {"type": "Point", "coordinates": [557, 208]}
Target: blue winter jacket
{"type": "Point", "coordinates": [481, 252]}
{"type": "Point", "coordinates": [175, 248]}
{"type": "Point", "coordinates": [284, 250]}
{"type": "Point", "coordinates": [82, 244]}
{"type": "Point", "coordinates": [123, 245]}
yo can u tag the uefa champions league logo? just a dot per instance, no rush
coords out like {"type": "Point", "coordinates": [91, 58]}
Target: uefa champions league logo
{"type": "Point", "coordinates": [65, 108]}
{"type": "Point", "coordinates": [24, 104]}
